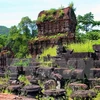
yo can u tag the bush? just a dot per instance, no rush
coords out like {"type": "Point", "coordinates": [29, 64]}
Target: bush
{"type": "Point", "coordinates": [49, 17]}
{"type": "Point", "coordinates": [23, 79]}
{"type": "Point", "coordinates": [42, 18]}
{"type": "Point", "coordinates": [80, 37]}
{"type": "Point", "coordinates": [61, 13]}
{"type": "Point", "coordinates": [93, 35]}
{"type": "Point", "coordinates": [51, 11]}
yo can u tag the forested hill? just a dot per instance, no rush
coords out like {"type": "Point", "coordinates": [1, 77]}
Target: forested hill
{"type": "Point", "coordinates": [4, 30]}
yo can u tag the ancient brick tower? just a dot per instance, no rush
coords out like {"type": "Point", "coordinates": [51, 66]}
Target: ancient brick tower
{"type": "Point", "coordinates": [53, 26]}
{"type": "Point", "coordinates": [59, 21]}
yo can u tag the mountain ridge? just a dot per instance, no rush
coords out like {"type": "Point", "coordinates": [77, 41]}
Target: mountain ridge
{"type": "Point", "coordinates": [4, 29]}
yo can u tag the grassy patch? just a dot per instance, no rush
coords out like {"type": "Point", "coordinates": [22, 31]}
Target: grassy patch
{"type": "Point", "coordinates": [51, 51]}
{"type": "Point", "coordinates": [83, 47]}
{"type": "Point", "coordinates": [78, 47]}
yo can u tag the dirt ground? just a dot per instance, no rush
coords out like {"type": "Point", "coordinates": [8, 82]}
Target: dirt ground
{"type": "Point", "coordinates": [4, 96]}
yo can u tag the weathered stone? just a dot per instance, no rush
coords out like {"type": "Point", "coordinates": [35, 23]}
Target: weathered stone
{"type": "Point", "coordinates": [83, 94]}
{"type": "Point", "coordinates": [34, 81]}
{"type": "Point", "coordinates": [96, 47]}
{"type": "Point", "coordinates": [56, 93]}
{"type": "Point", "coordinates": [94, 82]}
{"type": "Point", "coordinates": [12, 69]}
{"type": "Point", "coordinates": [3, 87]}
{"type": "Point", "coordinates": [77, 86]}
{"type": "Point", "coordinates": [29, 70]}
{"type": "Point", "coordinates": [97, 87]}
{"type": "Point", "coordinates": [31, 90]}
{"type": "Point", "coordinates": [76, 63]}
{"type": "Point", "coordinates": [50, 84]}
{"type": "Point", "coordinates": [61, 62]}
{"type": "Point", "coordinates": [13, 76]}
{"type": "Point", "coordinates": [60, 70]}
{"type": "Point", "coordinates": [73, 74]}
{"type": "Point", "coordinates": [81, 55]}
{"type": "Point", "coordinates": [94, 56]}
{"type": "Point", "coordinates": [85, 65]}
{"type": "Point", "coordinates": [97, 64]}
{"type": "Point", "coordinates": [15, 88]}
{"type": "Point", "coordinates": [44, 72]}
{"type": "Point", "coordinates": [96, 72]}
{"type": "Point", "coordinates": [61, 49]}
{"type": "Point", "coordinates": [2, 74]}
{"type": "Point", "coordinates": [88, 66]}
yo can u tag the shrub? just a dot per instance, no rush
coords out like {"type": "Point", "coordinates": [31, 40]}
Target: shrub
{"type": "Point", "coordinates": [42, 18]}
{"type": "Point", "coordinates": [61, 13]}
{"type": "Point", "coordinates": [49, 17]}
{"type": "Point", "coordinates": [22, 63]}
{"type": "Point", "coordinates": [23, 79]}
{"type": "Point", "coordinates": [93, 35]}
{"type": "Point", "coordinates": [80, 37]}
{"type": "Point", "coordinates": [51, 11]}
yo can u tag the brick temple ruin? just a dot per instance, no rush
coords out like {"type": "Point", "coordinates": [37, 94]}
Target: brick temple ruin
{"type": "Point", "coordinates": [80, 70]}
{"type": "Point", "coordinates": [55, 27]}
{"type": "Point", "coordinates": [60, 24]}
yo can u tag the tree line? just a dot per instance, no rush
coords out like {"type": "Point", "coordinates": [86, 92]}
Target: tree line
{"type": "Point", "coordinates": [18, 37]}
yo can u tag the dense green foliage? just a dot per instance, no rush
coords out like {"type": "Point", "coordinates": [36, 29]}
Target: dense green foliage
{"type": "Point", "coordinates": [3, 38]}
{"type": "Point", "coordinates": [84, 29]}
{"type": "Point", "coordinates": [18, 37]}
{"type": "Point", "coordinates": [4, 30]}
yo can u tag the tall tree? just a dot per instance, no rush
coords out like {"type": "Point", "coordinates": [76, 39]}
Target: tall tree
{"type": "Point", "coordinates": [24, 25]}
{"type": "Point", "coordinates": [96, 23]}
{"type": "Point", "coordinates": [27, 26]}
{"type": "Point", "coordinates": [33, 27]}
{"type": "Point", "coordinates": [86, 21]}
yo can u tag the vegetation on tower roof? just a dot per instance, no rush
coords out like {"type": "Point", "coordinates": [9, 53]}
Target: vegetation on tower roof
{"type": "Point", "coordinates": [50, 15]}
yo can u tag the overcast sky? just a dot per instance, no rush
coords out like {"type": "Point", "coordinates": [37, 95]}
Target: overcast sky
{"type": "Point", "coordinates": [11, 11]}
